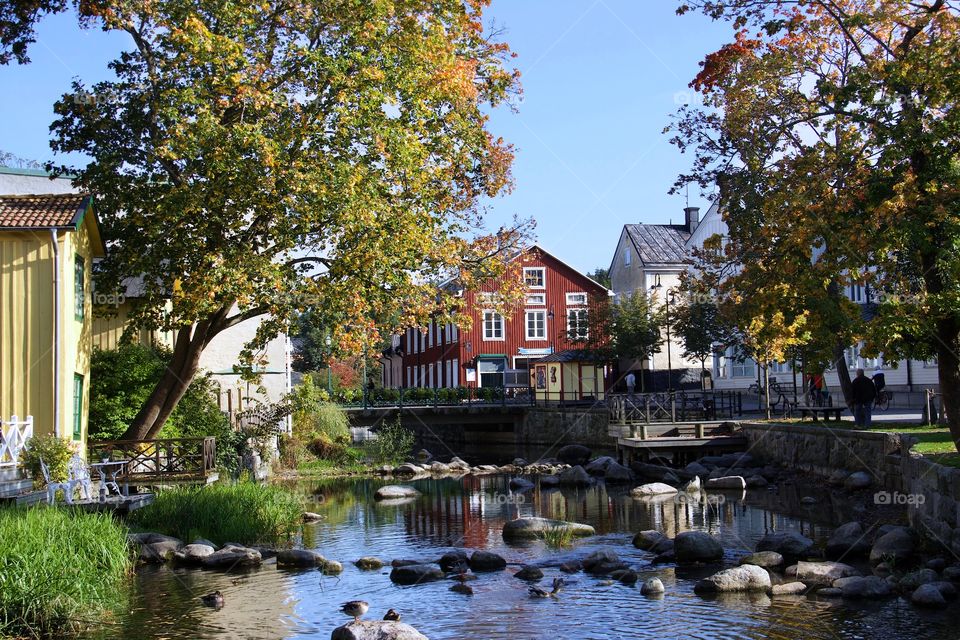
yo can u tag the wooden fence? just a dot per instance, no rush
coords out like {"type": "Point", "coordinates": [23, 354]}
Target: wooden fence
{"type": "Point", "coordinates": [167, 460]}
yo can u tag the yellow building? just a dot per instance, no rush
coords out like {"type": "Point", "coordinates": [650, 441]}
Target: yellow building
{"type": "Point", "coordinates": [47, 247]}
{"type": "Point", "coordinates": [568, 376]}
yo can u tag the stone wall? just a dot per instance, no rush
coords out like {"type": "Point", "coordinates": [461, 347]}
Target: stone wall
{"type": "Point", "coordinates": [549, 426]}
{"type": "Point", "coordinates": [930, 491]}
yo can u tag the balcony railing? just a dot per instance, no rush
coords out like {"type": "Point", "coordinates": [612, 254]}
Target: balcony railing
{"type": "Point", "coordinates": [167, 460]}
{"type": "Point", "coordinates": [14, 434]}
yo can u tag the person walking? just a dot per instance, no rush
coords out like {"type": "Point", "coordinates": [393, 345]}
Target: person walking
{"type": "Point", "coordinates": [631, 382]}
{"type": "Point", "coordinates": [864, 393]}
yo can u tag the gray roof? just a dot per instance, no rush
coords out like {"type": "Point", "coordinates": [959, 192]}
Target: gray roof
{"type": "Point", "coordinates": [659, 243]}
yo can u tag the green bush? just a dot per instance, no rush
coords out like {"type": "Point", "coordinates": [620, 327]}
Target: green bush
{"type": "Point", "coordinates": [122, 379]}
{"type": "Point", "coordinates": [392, 444]}
{"type": "Point", "coordinates": [55, 452]}
{"type": "Point", "coordinates": [59, 569]}
{"type": "Point", "coordinates": [244, 512]}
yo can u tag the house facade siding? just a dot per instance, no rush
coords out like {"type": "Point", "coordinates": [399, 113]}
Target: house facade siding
{"type": "Point", "coordinates": [440, 355]}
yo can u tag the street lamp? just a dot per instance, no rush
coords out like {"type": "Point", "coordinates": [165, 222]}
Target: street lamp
{"type": "Point", "coordinates": [550, 318]}
{"type": "Point", "coordinates": [668, 298]}
{"type": "Point", "coordinates": [329, 342]}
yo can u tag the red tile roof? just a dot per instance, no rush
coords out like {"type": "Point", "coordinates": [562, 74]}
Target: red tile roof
{"type": "Point", "coordinates": [42, 211]}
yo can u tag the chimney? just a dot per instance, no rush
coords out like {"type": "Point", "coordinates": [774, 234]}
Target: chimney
{"type": "Point", "coordinates": [692, 217]}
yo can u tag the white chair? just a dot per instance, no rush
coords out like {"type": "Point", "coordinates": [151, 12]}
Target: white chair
{"type": "Point", "coordinates": [79, 476]}
{"type": "Point", "coordinates": [53, 487]}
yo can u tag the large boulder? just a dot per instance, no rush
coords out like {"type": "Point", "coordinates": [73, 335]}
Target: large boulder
{"type": "Point", "coordinates": [733, 483]}
{"type": "Point", "coordinates": [821, 574]}
{"type": "Point", "coordinates": [574, 454]}
{"type": "Point", "coordinates": [618, 474]}
{"type": "Point", "coordinates": [790, 544]}
{"type": "Point", "coordinates": [848, 541]}
{"type": "Point", "coordinates": [603, 562]}
{"type": "Point", "coordinates": [928, 595]}
{"type": "Point", "coordinates": [765, 559]}
{"type": "Point", "coordinates": [529, 573]}
{"type": "Point", "coordinates": [747, 577]}
{"type": "Point", "coordinates": [193, 554]}
{"type": "Point", "coordinates": [376, 630]}
{"type": "Point", "coordinates": [408, 469]}
{"type": "Point", "coordinates": [300, 558]}
{"type": "Point", "coordinates": [487, 561]}
{"type": "Point", "coordinates": [864, 587]}
{"type": "Point", "coordinates": [575, 476]}
{"type": "Point", "coordinates": [231, 557]}
{"type": "Point", "coordinates": [455, 561]}
{"type": "Point", "coordinates": [788, 589]}
{"type": "Point", "coordinates": [598, 466]}
{"type": "Point", "coordinates": [395, 491]}
{"type": "Point", "coordinates": [898, 545]}
{"type": "Point", "coordinates": [696, 546]}
{"type": "Point", "coordinates": [159, 551]}
{"type": "Point", "coordinates": [649, 540]}
{"type": "Point", "coordinates": [416, 574]}
{"type": "Point", "coordinates": [916, 578]}
{"type": "Point", "coordinates": [658, 473]}
{"type": "Point", "coordinates": [652, 489]}
{"type": "Point", "coordinates": [532, 528]}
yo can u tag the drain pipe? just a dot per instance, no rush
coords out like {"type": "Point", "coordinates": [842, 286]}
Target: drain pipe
{"type": "Point", "coordinates": [56, 332]}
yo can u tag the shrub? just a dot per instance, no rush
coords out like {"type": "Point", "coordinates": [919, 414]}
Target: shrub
{"type": "Point", "coordinates": [558, 537]}
{"type": "Point", "coordinates": [55, 452]}
{"type": "Point", "coordinates": [392, 444]}
{"type": "Point", "coordinates": [59, 568]}
{"type": "Point", "coordinates": [122, 379]}
{"type": "Point", "coordinates": [244, 512]}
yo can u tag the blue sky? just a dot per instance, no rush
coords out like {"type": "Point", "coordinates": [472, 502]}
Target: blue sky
{"type": "Point", "coordinates": [600, 79]}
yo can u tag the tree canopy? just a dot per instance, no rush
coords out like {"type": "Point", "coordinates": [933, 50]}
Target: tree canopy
{"type": "Point", "coordinates": [254, 160]}
{"type": "Point", "coordinates": [832, 131]}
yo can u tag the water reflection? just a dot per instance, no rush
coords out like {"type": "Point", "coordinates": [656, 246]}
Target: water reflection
{"type": "Point", "coordinates": [470, 512]}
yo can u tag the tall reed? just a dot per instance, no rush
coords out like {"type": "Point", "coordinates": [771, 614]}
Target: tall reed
{"type": "Point", "coordinates": [245, 512]}
{"type": "Point", "coordinates": [60, 569]}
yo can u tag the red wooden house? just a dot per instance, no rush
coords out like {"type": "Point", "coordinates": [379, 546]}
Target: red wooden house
{"type": "Point", "coordinates": [500, 350]}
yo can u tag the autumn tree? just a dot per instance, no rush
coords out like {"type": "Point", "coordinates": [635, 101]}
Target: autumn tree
{"type": "Point", "coordinates": [697, 323]}
{"type": "Point", "coordinates": [252, 160]}
{"type": "Point", "coordinates": [832, 130]}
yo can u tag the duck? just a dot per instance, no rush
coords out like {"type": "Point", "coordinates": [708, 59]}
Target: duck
{"type": "Point", "coordinates": [355, 609]}
{"type": "Point", "coordinates": [214, 599]}
{"type": "Point", "coordinates": [463, 588]}
{"type": "Point", "coordinates": [392, 615]}
{"type": "Point", "coordinates": [537, 592]}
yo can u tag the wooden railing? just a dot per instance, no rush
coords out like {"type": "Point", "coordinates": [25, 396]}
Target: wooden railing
{"type": "Point", "coordinates": [173, 459]}
{"type": "Point", "coordinates": [13, 437]}
{"type": "Point", "coordinates": [675, 406]}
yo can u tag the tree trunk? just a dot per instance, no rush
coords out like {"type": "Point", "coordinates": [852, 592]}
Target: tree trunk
{"type": "Point", "coordinates": [948, 363]}
{"type": "Point", "coordinates": [766, 389]}
{"type": "Point", "coordinates": [843, 373]}
{"type": "Point", "coordinates": [176, 378]}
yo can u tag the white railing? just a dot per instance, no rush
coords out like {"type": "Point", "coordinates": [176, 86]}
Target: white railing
{"type": "Point", "coordinates": [13, 437]}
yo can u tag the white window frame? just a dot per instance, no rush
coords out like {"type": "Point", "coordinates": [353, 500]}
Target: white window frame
{"type": "Point", "coordinates": [537, 299]}
{"type": "Point", "coordinates": [526, 324]}
{"type": "Point", "coordinates": [430, 334]}
{"type": "Point", "coordinates": [409, 376]}
{"type": "Point", "coordinates": [627, 258]}
{"type": "Point", "coordinates": [492, 337]}
{"type": "Point", "coordinates": [576, 301]}
{"type": "Point", "coordinates": [586, 315]}
{"type": "Point", "coordinates": [456, 372]}
{"type": "Point", "coordinates": [543, 277]}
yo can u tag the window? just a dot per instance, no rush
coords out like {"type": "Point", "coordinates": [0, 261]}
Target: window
{"type": "Point", "coordinates": [576, 298]}
{"type": "Point", "coordinates": [745, 369]}
{"type": "Point", "coordinates": [77, 406]}
{"type": "Point", "coordinates": [856, 360]}
{"type": "Point", "coordinates": [430, 334]}
{"type": "Point", "coordinates": [534, 277]}
{"type": "Point", "coordinates": [80, 287]}
{"type": "Point", "coordinates": [487, 297]}
{"type": "Point", "coordinates": [578, 327]}
{"type": "Point", "coordinates": [780, 368]}
{"type": "Point", "coordinates": [536, 324]}
{"type": "Point", "coordinates": [409, 377]}
{"type": "Point", "coordinates": [456, 372]}
{"type": "Point", "coordinates": [626, 256]}
{"type": "Point", "coordinates": [492, 325]}
{"type": "Point", "coordinates": [857, 293]}
{"type": "Point", "coordinates": [536, 299]}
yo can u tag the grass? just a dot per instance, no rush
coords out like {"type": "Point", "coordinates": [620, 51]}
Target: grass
{"type": "Point", "coordinates": [328, 467]}
{"type": "Point", "coordinates": [558, 537]}
{"type": "Point", "coordinates": [60, 569]}
{"type": "Point", "coordinates": [244, 512]}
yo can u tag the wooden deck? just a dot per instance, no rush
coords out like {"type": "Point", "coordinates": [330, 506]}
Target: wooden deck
{"type": "Point", "coordinates": [680, 442]}
{"type": "Point", "coordinates": [160, 462]}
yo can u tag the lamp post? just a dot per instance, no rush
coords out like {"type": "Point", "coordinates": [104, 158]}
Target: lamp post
{"type": "Point", "coordinates": [329, 342]}
{"type": "Point", "coordinates": [668, 298]}
{"type": "Point", "coordinates": [550, 317]}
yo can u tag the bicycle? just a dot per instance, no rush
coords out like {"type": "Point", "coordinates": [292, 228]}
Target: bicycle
{"type": "Point", "coordinates": [883, 399]}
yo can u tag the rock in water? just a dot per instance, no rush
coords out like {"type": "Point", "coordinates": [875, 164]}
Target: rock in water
{"type": "Point", "coordinates": [233, 556]}
{"type": "Point", "coordinates": [765, 559]}
{"type": "Point", "coordinates": [747, 577]}
{"type": "Point", "coordinates": [487, 561]}
{"type": "Point", "coordinates": [898, 545]}
{"type": "Point", "coordinates": [618, 474]}
{"type": "Point", "coordinates": [528, 572]}
{"type": "Point", "coordinates": [416, 574]}
{"type": "Point", "coordinates": [652, 587]}
{"type": "Point", "coordinates": [848, 541]}
{"type": "Point", "coordinates": [394, 491]}
{"type": "Point", "coordinates": [531, 528]}
{"type": "Point", "coordinates": [868, 587]}
{"type": "Point", "coordinates": [736, 483]}
{"type": "Point", "coordinates": [302, 558]}
{"type": "Point", "coordinates": [574, 454]}
{"type": "Point", "coordinates": [376, 630]}
{"type": "Point", "coordinates": [928, 595]}
{"type": "Point", "coordinates": [652, 489]}
{"type": "Point", "coordinates": [820, 573]}
{"type": "Point", "coordinates": [789, 589]}
{"type": "Point", "coordinates": [696, 546]}
{"type": "Point", "coordinates": [369, 563]}
{"type": "Point", "coordinates": [575, 477]}
{"type": "Point", "coordinates": [790, 544]}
